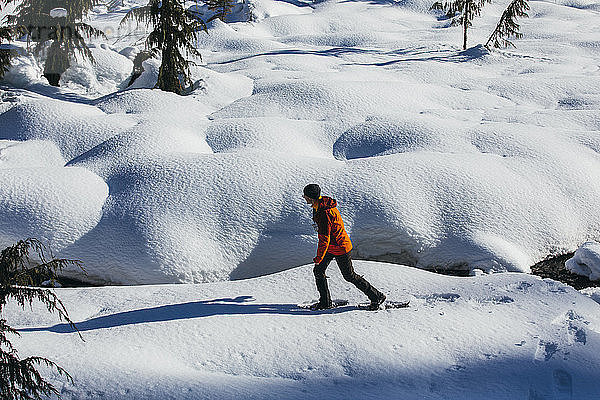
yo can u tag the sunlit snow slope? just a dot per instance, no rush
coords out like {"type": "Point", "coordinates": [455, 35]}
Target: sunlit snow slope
{"type": "Point", "coordinates": [501, 336]}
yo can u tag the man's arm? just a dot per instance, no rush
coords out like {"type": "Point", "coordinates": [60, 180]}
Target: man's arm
{"type": "Point", "coordinates": [324, 230]}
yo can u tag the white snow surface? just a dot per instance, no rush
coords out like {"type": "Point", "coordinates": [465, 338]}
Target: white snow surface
{"type": "Point", "coordinates": [39, 193]}
{"type": "Point", "coordinates": [499, 336]}
{"type": "Point", "coordinates": [438, 157]}
{"type": "Point", "coordinates": [586, 261]}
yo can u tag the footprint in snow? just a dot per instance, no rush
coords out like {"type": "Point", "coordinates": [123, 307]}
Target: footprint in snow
{"type": "Point", "coordinates": [575, 326]}
{"type": "Point", "coordinates": [435, 297]}
{"type": "Point", "coordinates": [523, 286]}
{"type": "Point", "coordinates": [499, 300]}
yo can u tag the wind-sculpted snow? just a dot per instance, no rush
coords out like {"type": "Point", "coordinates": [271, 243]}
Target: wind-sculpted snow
{"type": "Point", "coordinates": [438, 157]}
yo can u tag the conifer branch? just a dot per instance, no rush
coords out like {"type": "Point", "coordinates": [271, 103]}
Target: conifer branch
{"type": "Point", "coordinates": [220, 7]}
{"type": "Point", "coordinates": [23, 265]}
{"type": "Point", "coordinates": [507, 26]}
{"type": "Point", "coordinates": [173, 35]}
{"type": "Point", "coordinates": [461, 12]}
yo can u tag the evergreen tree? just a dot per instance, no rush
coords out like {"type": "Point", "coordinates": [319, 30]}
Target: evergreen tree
{"type": "Point", "coordinates": [8, 32]}
{"type": "Point", "coordinates": [461, 12]}
{"type": "Point", "coordinates": [508, 27]}
{"type": "Point", "coordinates": [66, 32]}
{"type": "Point", "coordinates": [220, 7]}
{"type": "Point", "coordinates": [19, 379]}
{"type": "Point", "coordinates": [173, 35]}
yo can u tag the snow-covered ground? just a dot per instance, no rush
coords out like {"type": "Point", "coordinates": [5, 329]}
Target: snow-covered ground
{"type": "Point", "coordinates": [500, 336]}
{"type": "Point", "coordinates": [437, 157]}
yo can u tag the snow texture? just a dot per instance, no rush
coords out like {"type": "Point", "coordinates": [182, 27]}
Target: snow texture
{"type": "Point", "coordinates": [586, 261]}
{"type": "Point", "coordinates": [61, 204]}
{"type": "Point", "coordinates": [438, 157]}
{"type": "Point", "coordinates": [499, 336]}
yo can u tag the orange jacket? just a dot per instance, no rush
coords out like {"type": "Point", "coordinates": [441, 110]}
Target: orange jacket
{"type": "Point", "coordinates": [332, 235]}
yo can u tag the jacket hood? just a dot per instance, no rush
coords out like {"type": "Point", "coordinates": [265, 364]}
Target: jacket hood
{"type": "Point", "coordinates": [327, 203]}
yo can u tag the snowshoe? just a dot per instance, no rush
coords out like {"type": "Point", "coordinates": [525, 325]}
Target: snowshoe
{"type": "Point", "coordinates": [318, 306]}
{"type": "Point", "coordinates": [386, 305]}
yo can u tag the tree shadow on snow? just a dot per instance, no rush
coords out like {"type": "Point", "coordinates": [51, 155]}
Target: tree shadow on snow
{"type": "Point", "coordinates": [52, 92]}
{"type": "Point", "coordinates": [241, 305]}
{"type": "Point", "coordinates": [334, 51]}
{"type": "Point", "coordinates": [298, 3]}
{"type": "Point", "coordinates": [398, 56]}
{"type": "Point", "coordinates": [425, 54]}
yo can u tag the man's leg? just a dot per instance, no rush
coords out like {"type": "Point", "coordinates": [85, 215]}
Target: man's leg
{"type": "Point", "coordinates": [345, 263]}
{"type": "Point", "coordinates": [321, 280]}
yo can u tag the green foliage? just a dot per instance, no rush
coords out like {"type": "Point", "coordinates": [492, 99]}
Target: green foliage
{"type": "Point", "coordinates": [174, 33]}
{"type": "Point", "coordinates": [507, 26]}
{"type": "Point", "coordinates": [19, 379]}
{"type": "Point", "coordinates": [66, 33]}
{"type": "Point", "coordinates": [8, 31]}
{"type": "Point", "coordinates": [461, 12]}
{"type": "Point", "coordinates": [221, 7]}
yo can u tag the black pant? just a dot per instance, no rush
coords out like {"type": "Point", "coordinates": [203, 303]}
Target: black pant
{"type": "Point", "coordinates": [344, 262]}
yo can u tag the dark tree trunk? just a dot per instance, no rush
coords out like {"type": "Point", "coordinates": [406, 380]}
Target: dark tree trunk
{"type": "Point", "coordinates": [465, 26]}
{"type": "Point", "coordinates": [168, 76]}
{"type": "Point", "coordinates": [53, 78]}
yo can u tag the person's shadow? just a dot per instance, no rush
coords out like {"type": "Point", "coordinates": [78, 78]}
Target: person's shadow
{"type": "Point", "coordinates": [241, 305]}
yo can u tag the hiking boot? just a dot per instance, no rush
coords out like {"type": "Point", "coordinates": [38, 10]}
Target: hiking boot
{"type": "Point", "coordinates": [321, 306]}
{"type": "Point", "coordinates": [375, 304]}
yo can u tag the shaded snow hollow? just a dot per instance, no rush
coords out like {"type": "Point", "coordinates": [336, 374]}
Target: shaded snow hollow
{"type": "Point", "coordinates": [438, 157]}
{"type": "Point", "coordinates": [500, 336]}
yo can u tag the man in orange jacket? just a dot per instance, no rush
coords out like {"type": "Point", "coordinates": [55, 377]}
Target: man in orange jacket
{"type": "Point", "coordinates": [334, 242]}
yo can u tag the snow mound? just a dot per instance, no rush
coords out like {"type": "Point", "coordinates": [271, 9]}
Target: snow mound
{"type": "Point", "coordinates": [41, 198]}
{"type": "Point", "coordinates": [264, 9]}
{"type": "Point", "coordinates": [346, 100]}
{"type": "Point", "coordinates": [223, 38]}
{"type": "Point", "coordinates": [73, 127]}
{"type": "Point", "coordinates": [148, 139]}
{"type": "Point", "coordinates": [586, 261]}
{"type": "Point", "coordinates": [151, 102]}
{"type": "Point", "coordinates": [32, 153]}
{"type": "Point", "coordinates": [297, 137]}
{"type": "Point", "coordinates": [382, 136]}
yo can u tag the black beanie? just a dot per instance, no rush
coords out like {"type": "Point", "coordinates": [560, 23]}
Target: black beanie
{"type": "Point", "coordinates": [313, 191]}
